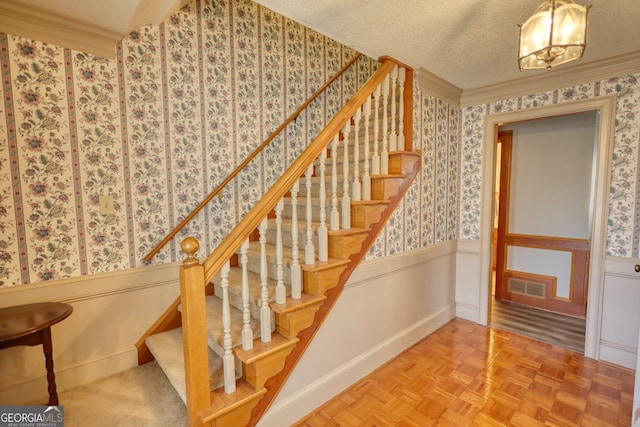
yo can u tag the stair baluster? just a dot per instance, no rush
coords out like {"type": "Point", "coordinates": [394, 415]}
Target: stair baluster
{"type": "Point", "coordinates": [265, 311]}
{"type": "Point", "coordinates": [229, 371]}
{"type": "Point", "coordinates": [384, 155]}
{"type": "Point", "coordinates": [247, 333]}
{"type": "Point", "coordinates": [402, 75]}
{"type": "Point", "coordinates": [393, 136]}
{"type": "Point", "coordinates": [323, 238]}
{"type": "Point", "coordinates": [281, 291]}
{"type": "Point", "coordinates": [335, 215]}
{"type": "Point", "coordinates": [366, 178]}
{"type": "Point", "coordinates": [309, 249]}
{"type": "Point", "coordinates": [356, 189]}
{"type": "Point", "coordinates": [296, 273]}
{"type": "Point", "coordinates": [375, 157]}
{"type": "Point", "coordinates": [346, 200]}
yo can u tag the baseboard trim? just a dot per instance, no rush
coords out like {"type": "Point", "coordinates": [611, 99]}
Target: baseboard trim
{"type": "Point", "coordinates": [315, 394]}
{"type": "Point", "coordinates": [618, 354]}
{"type": "Point", "coordinates": [467, 311]}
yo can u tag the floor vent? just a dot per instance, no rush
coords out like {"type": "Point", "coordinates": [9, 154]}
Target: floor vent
{"type": "Point", "coordinates": [526, 287]}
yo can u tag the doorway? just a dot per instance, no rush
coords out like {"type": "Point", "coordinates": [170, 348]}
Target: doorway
{"type": "Point", "coordinates": [604, 106]}
{"type": "Point", "coordinates": [545, 185]}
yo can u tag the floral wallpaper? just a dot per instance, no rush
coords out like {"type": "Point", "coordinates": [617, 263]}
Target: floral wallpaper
{"type": "Point", "coordinates": [623, 238]}
{"type": "Point", "coordinates": [156, 129]}
{"type": "Point", "coordinates": [428, 214]}
{"type": "Point", "coordinates": [162, 124]}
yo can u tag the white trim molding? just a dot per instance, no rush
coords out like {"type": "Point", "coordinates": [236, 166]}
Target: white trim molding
{"type": "Point", "coordinates": [606, 107]}
{"type": "Point", "coordinates": [436, 86]}
{"type": "Point", "coordinates": [558, 78]}
{"type": "Point", "coordinates": [92, 27]}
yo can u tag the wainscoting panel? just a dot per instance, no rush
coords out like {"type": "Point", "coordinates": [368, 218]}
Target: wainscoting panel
{"type": "Point", "coordinates": [110, 312]}
{"type": "Point", "coordinates": [388, 305]}
{"type": "Point", "coordinates": [620, 312]}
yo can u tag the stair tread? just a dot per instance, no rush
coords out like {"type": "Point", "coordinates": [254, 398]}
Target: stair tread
{"type": "Point", "coordinates": [326, 265]}
{"type": "Point", "coordinates": [167, 348]}
{"type": "Point", "coordinates": [350, 231]}
{"type": "Point", "coordinates": [261, 349]}
{"type": "Point", "coordinates": [293, 305]}
{"type": "Point", "coordinates": [223, 403]}
{"type": "Point", "coordinates": [370, 202]}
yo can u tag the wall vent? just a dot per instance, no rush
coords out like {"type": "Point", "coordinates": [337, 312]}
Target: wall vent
{"type": "Point", "coordinates": [527, 287]}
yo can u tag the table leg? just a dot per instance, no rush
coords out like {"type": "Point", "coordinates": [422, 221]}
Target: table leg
{"type": "Point", "coordinates": [48, 357]}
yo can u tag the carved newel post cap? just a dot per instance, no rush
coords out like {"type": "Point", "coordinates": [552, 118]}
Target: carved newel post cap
{"type": "Point", "coordinates": [190, 246]}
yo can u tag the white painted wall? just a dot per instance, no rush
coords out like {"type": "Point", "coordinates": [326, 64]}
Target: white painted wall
{"type": "Point", "coordinates": [361, 333]}
{"type": "Point", "coordinates": [551, 176]}
{"type": "Point", "coordinates": [552, 170]}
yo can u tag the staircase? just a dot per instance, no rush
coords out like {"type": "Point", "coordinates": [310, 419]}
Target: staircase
{"type": "Point", "coordinates": [247, 313]}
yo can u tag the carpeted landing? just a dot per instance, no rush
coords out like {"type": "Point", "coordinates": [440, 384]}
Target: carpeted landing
{"type": "Point", "coordinates": [553, 328]}
{"type": "Point", "coordinates": [138, 397]}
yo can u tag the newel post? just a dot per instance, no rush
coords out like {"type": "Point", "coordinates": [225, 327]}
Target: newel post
{"type": "Point", "coordinates": [194, 332]}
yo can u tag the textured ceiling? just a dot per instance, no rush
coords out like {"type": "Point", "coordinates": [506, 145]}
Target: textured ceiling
{"type": "Point", "coordinates": [469, 43]}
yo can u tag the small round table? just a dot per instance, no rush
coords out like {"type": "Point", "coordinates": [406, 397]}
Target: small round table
{"type": "Point", "coordinates": [31, 325]}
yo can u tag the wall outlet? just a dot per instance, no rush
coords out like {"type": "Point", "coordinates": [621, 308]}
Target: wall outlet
{"type": "Point", "coordinates": [106, 205]}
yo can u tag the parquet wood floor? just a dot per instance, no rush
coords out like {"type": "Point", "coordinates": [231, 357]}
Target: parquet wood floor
{"type": "Point", "coordinates": [465, 374]}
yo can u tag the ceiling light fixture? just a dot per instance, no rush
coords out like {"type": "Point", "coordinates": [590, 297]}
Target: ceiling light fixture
{"type": "Point", "coordinates": [554, 35]}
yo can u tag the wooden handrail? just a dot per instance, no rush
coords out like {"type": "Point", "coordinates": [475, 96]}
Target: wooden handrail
{"type": "Point", "coordinates": [234, 239]}
{"type": "Point", "coordinates": [246, 161]}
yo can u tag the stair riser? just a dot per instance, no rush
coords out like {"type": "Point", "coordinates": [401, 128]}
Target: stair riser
{"type": "Point", "coordinates": [290, 324]}
{"type": "Point", "coordinates": [342, 247]}
{"type": "Point", "coordinates": [385, 188]}
{"type": "Point", "coordinates": [318, 282]}
{"type": "Point", "coordinates": [364, 216]}
{"type": "Point", "coordinates": [258, 372]}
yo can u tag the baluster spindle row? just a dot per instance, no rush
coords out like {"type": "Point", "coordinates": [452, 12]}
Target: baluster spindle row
{"type": "Point", "coordinates": [356, 186]}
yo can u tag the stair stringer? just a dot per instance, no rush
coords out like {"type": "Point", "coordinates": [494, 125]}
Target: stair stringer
{"type": "Point", "coordinates": [274, 384]}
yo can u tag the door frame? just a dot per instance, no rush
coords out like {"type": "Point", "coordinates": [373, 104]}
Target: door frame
{"type": "Point", "coordinates": [606, 108]}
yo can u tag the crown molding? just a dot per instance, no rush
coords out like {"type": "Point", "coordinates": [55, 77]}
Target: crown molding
{"type": "Point", "coordinates": [554, 79]}
{"type": "Point", "coordinates": [438, 87]}
{"type": "Point", "coordinates": [73, 24]}
{"type": "Point", "coordinates": [42, 25]}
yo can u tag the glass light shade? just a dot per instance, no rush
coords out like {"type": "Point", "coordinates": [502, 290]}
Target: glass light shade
{"type": "Point", "coordinates": [554, 35]}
